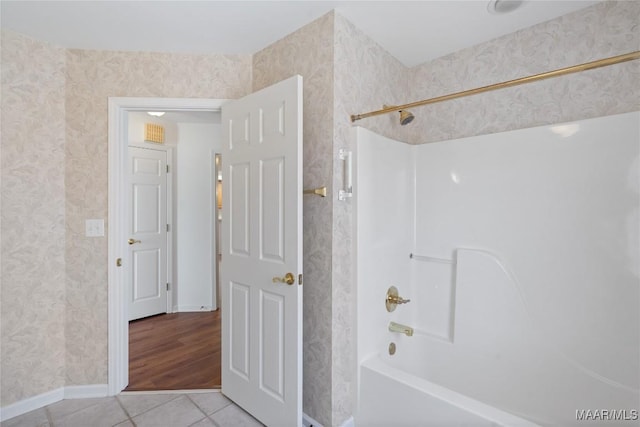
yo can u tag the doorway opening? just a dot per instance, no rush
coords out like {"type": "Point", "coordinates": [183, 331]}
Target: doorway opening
{"type": "Point", "coordinates": [192, 308]}
{"type": "Point", "coordinates": [174, 330]}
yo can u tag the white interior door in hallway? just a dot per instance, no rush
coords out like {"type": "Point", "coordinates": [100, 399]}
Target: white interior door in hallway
{"type": "Point", "coordinates": [262, 253]}
{"type": "Point", "coordinates": [147, 266]}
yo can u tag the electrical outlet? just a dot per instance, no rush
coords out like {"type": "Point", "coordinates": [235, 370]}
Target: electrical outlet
{"type": "Point", "coordinates": [94, 227]}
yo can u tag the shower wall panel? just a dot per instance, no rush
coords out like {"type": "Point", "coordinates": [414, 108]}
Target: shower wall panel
{"type": "Point", "coordinates": [544, 226]}
{"type": "Point", "coordinates": [384, 189]}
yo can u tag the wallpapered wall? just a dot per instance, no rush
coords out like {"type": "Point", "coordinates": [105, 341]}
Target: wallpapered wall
{"type": "Point", "coordinates": [32, 292]}
{"type": "Point", "coordinates": [92, 77]}
{"type": "Point", "coordinates": [345, 73]}
{"type": "Point", "coordinates": [54, 176]}
{"type": "Point", "coordinates": [366, 76]}
{"type": "Point", "coordinates": [605, 29]}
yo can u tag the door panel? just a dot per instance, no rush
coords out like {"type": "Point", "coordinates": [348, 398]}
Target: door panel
{"type": "Point", "coordinates": [239, 324]}
{"type": "Point", "coordinates": [146, 208]}
{"type": "Point", "coordinates": [238, 191]}
{"type": "Point", "coordinates": [262, 240]}
{"type": "Point", "coordinates": [147, 231]}
{"type": "Point", "coordinates": [271, 345]}
{"type": "Point", "coordinates": [146, 266]}
{"type": "Point", "coordinates": [272, 210]}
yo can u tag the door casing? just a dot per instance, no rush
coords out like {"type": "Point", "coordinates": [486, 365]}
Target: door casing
{"type": "Point", "coordinates": [118, 331]}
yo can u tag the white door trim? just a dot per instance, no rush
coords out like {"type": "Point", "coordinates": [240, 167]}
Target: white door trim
{"type": "Point", "coordinates": [118, 341]}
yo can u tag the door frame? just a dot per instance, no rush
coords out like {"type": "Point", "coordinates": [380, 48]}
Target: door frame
{"type": "Point", "coordinates": [118, 331]}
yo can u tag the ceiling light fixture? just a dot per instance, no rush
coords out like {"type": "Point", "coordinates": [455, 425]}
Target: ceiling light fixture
{"type": "Point", "coordinates": [499, 7]}
{"type": "Point", "coordinates": [156, 113]}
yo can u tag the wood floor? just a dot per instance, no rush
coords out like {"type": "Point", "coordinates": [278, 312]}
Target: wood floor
{"type": "Point", "coordinates": [175, 351]}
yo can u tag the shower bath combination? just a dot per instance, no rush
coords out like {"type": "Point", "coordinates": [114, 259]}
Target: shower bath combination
{"type": "Point", "coordinates": [481, 342]}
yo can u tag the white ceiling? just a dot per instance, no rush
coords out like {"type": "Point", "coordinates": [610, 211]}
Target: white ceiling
{"type": "Point", "coordinates": [413, 31]}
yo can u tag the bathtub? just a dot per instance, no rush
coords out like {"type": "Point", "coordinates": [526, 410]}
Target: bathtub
{"type": "Point", "coordinates": [389, 396]}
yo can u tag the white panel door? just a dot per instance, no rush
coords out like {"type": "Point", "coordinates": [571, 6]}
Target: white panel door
{"type": "Point", "coordinates": [261, 243]}
{"type": "Point", "coordinates": [147, 266]}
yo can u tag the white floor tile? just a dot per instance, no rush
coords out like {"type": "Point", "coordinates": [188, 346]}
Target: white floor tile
{"type": "Point", "coordinates": [145, 410]}
{"type": "Point", "coordinates": [136, 404]}
{"type": "Point", "coordinates": [37, 418]}
{"type": "Point", "coordinates": [106, 414]}
{"type": "Point", "coordinates": [205, 422]}
{"type": "Point", "coordinates": [180, 412]}
{"type": "Point", "coordinates": [210, 402]}
{"type": "Point", "coordinates": [234, 416]}
{"type": "Point", "coordinates": [66, 407]}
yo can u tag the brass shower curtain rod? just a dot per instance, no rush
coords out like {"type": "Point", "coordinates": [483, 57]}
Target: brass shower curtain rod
{"type": "Point", "coordinates": [549, 74]}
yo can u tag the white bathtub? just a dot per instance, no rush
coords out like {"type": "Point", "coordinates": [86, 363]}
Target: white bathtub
{"type": "Point", "coordinates": [392, 397]}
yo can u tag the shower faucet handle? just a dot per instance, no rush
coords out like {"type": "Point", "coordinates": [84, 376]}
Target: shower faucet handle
{"type": "Point", "coordinates": [398, 300]}
{"type": "Point", "coordinates": [393, 299]}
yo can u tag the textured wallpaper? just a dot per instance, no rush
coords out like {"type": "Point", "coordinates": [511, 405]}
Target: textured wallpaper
{"type": "Point", "coordinates": [56, 278]}
{"type": "Point", "coordinates": [92, 77]}
{"type": "Point", "coordinates": [309, 52]}
{"type": "Point", "coordinates": [366, 77]}
{"type": "Point", "coordinates": [32, 282]}
{"type": "Point", "coordinates": [605, 29]}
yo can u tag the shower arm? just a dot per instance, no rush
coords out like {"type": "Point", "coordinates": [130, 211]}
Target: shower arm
{"type": "Point", "coordinates": [529, 79]}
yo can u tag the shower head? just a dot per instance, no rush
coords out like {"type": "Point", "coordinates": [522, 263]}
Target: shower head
{"type": "Point", "coordinates": [406, 116]}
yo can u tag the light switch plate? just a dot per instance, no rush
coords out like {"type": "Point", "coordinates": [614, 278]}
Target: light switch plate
{"type": "Point", "coordinates": [94, 227]}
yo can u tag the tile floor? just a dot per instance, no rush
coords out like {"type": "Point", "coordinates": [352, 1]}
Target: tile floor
{"type": "Point", "coordinates": [140, 409]}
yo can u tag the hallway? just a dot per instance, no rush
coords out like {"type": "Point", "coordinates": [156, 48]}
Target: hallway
{"type": "Point", "coordinates": [178, 351]}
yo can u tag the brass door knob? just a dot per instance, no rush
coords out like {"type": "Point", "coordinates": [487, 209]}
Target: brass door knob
{"type": "Point", "coordinates": [288, 278]}
{"type": "Point", "coordinates": [132, 241]}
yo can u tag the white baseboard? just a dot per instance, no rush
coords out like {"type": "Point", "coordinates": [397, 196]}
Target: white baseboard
{"type": "Point", "coordinates": [31, 403]}
{"type": "Point", "coordinates": [191, 308]}
{"type": "Point", "coordinates": [86, 391]}
{"type": "Point", "coordinates": [41, 400]}
{"type": "Point", "coordinates": [307, 421]}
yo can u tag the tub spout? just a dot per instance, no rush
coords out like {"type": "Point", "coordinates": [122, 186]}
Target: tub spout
{"type": "Point", "coordinates": [403, 329]}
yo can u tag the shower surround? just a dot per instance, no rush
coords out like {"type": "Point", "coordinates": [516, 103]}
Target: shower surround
{"type": "Point", "coordinates": [520, 254]}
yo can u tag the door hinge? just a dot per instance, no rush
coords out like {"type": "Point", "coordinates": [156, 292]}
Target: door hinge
{"type": "Point", "coordinates": [167, 286]}
{"type": "Point", "coordinates": [167, 168]}
{"type": "Point", "coordinates": [167, 227]}
{"type": "Point", "coordinates": [119, 262]}
{"type": "Point", "coordinates": [300, 279]}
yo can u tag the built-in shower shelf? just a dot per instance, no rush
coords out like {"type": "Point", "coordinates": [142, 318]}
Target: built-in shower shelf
{"type": "Point", "coordinates": [431, 259]}
{"type": "Point", "coordinates": [434, 291]}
